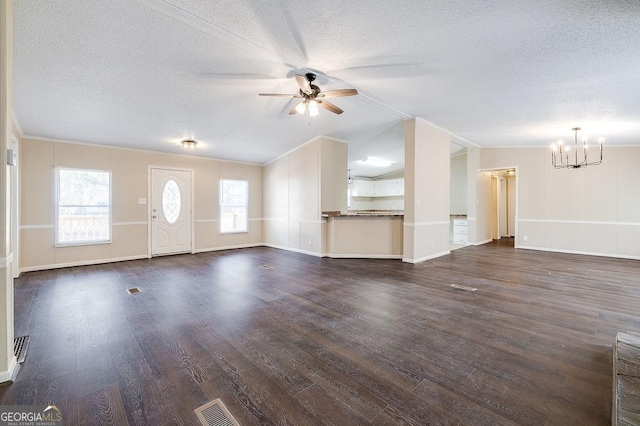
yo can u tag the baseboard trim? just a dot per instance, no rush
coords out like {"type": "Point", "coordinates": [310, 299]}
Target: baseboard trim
{"type": "Point", "coordinates": [9, 376]}
{"type": "Point", "coordinates": [237, 246]}
{"type": "Point", "coordinates": [81, 263]}
{"type": "Point", "coordinates": [295, 250]}
{"type": "Point", "coordinates": [431, 256]}
{"type": "Point", "coordinates": [479, 243]}
{"type": "Point", "coordinates": [363, 256]}
{"type": "Point", "coordinates": [585, 253]}
{"type": "Point", "coordinates": [418, 224]}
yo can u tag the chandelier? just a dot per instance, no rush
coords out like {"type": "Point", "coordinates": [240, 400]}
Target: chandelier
{"type": "Point", "coordinates": [563, 158]}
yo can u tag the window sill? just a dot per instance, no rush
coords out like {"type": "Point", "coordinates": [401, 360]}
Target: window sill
{"type": "Point", "coordinates": [234, 232]}
{"type": "Point", "coordinates": [83, 243]}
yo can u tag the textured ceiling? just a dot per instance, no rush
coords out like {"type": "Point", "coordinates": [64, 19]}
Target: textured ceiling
{"type": "Point", "coordinates": [148, 73]}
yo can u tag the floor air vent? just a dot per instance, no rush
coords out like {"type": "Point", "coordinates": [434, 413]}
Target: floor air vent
{"type": "Point", "coordinates": [134, 290]}
{"type": "Point", "coordinates": [215, 413]}
{"type": "Point", "coordinates": [266, 266]}
{"type": "Point", "coordinates": [20, 345]}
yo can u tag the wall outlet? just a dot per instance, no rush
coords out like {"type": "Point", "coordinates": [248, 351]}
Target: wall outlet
{"type": "Point", "coordinates": [431, 244]}
{"type": "Point", "coordinates": [417, 201]}
{"type": "Point", "coordinates": [525, 238]}
{"type": "Point", "coordinates": [310, 242]}
{"type": "Point", "coordinates": [142, 201]}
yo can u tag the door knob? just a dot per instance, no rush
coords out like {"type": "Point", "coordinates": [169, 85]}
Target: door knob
{"type": "Point", "coordinates": [154, 216]}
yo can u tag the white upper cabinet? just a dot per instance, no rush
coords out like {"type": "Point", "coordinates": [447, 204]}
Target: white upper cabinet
{"type": "Point", "coordinates": [383, 188]}
{"type": "Point", "coordinates": [377, 188]}
{"type": "Point", "coordinates": [362, 188]}
{"type": "Point", "coordinates": [400, 187]}
{"type": "Point", "coordinates": [367, 188]}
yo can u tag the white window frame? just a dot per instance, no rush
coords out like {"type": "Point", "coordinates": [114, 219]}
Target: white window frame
{"type": "Point", "coordinates": [57, 209]}
{"type": "Point", "coordinates": [220, 206]}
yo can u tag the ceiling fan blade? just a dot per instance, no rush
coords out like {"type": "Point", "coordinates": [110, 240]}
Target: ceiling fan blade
{"type": "Point", "coordinates": [279, 95]}
{"type": "Point", "coordinates": [338, 93]}
{"type": "Point", "coordinates": [330, 107]}
{"type": "Point", "coordinates": [304, 84]}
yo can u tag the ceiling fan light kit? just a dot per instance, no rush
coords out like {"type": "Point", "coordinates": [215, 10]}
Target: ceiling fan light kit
{"type": "Point", "coordinates": [313, 109]}
{"type": "Point", "coordinates": [301, 108]}
{"type": "Point", "coordinates": [312, 97]}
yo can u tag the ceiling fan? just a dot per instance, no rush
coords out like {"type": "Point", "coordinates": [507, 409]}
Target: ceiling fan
{"type": "Point", "coordinates": [312, 97]}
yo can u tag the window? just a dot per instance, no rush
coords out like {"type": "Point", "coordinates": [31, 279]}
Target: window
{"type": "Point", "coordinates": [171, 201]}
{"type": "Point", "coordinates": [83, 207]}
{"type": "Point", "coordinates": [234, 196]}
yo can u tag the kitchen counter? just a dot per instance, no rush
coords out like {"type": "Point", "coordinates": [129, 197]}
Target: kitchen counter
{"type": "Point", "coordinates": [365, 234]}
{"type": "Point", "coordinates": [364, 213]}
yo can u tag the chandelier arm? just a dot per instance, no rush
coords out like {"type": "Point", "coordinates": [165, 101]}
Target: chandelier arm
{"type": "Point", "coordinates": [594, 163]}
{"type": "Point", "coordinates": [599, 161]}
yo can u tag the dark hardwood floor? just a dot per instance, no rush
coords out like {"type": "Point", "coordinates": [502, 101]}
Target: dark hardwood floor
{"type": "Point", "coordinates": [328, 341]}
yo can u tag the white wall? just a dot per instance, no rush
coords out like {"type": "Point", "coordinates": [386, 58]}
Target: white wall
{"type": "Point", "coordinates": [458, 184]}
{"type": "Point", "coordinates": [129, 174]}
{"type": "Point", "coordinates": [7, 194]}
{"type": "Point", "coordinates": [475, 236]}
{"type": "Point", "coordinates": [427, 177]}
{"type": "Point", "coordinates": [388, 203]}
{"type": "Point", "coordinates": [296, 189]}
{"type": "Point", "coordinates": [333, 175]}
{"type": "Point", "coordinates": [595, 210]}
{"type": "Point", "coordinates": [377, 203]}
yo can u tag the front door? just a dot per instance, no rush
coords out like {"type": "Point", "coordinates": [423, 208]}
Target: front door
{"type": "Point", "coordinates": [171, 216]}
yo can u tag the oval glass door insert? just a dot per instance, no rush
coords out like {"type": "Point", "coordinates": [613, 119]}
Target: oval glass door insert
{"type": "Point", "coordinates": [171, 201]}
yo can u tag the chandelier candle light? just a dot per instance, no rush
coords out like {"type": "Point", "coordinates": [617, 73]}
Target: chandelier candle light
{"type": "Point", "coordinates": [560, 154]}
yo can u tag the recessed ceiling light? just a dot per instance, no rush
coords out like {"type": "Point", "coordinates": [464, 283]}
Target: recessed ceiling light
{"type": "Point", "coordinates": [189, 143]}
{"type": "Point", "coordinates": [377, 162]}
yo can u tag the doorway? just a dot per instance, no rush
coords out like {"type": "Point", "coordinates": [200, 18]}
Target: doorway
{"type": "Point", "coordinates": [171, 216]}
{"type": "Point", "coordinates": [503, 203]}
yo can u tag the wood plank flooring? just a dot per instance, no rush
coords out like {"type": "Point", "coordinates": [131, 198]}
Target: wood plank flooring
{"type": "Point", "coordinates": [328, 341]}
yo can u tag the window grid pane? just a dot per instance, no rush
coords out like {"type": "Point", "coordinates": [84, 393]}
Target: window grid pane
{"type": "Point", "coordinates": [80, 224]}
{"type": "Point", "coordinates": [84, 207]}
{"type": "Point", "coordinates": [233, 219]}
{"type": "Point", "coordinates": [233, 206]}
{"type": "Point", "coordinates": [83, 188]}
